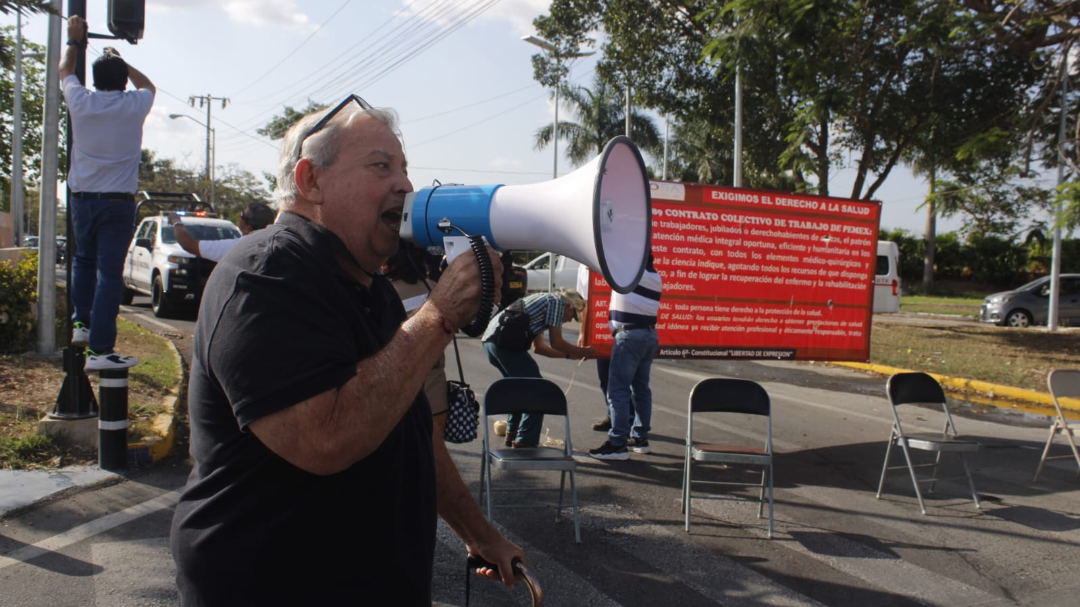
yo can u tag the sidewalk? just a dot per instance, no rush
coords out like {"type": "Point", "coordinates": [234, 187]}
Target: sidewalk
{"type": "Point", "coordinates": [21, 488]}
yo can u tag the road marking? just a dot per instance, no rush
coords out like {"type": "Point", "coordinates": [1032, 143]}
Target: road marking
{"type": "Point", "coordinates": [883, 570]}
{"type": "Point", "coordinates": [90, 529]}
{"type": "Point", "coordinates": [149, 318]}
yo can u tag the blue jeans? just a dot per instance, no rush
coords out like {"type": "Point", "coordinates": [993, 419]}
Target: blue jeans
{"type": "Point", "coordinates": [517, 363]}
{"type": "Point", "coordinates": [629, 395]}
{"type": "Point", "coordinates": [103, 231]}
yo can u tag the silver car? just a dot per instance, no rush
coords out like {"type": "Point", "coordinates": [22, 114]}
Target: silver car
{"type": "Point", "coordinates": [1030, 304]}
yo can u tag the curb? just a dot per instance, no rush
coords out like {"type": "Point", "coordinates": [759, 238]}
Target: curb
{"type": "Point", "coordinates": [991, 390]}
{"type": "Point", "coordinates": [153, 448]}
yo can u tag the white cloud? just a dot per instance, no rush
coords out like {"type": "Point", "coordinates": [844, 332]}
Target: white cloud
{"type": "Point", "coordinates": [268, 13]}
{"type": "Point", "coordinates": [519, 13]}
{"type": "Point", "coordinates": [505, 164]}
{"type": "Point", "coordinates": [281, 14]}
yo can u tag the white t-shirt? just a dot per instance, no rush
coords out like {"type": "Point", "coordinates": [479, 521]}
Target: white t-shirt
{"type": "Point", "coordinates": [214, 250]}
{"type": "Point", "coordinates": [107, 137]}
{"type": "Point", "coordinates": [583, 281]}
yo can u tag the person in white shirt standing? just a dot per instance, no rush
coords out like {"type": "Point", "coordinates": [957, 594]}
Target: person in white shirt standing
{"type": "Point", "coordinates": [632, 318]}
{"type": "Point", "coordinates": [106, 149]}
{"type": "Point", "coordinates": [255, 216]}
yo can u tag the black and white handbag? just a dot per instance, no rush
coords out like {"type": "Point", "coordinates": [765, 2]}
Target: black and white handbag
{"type": "Point", "coordinates": [463, 416]}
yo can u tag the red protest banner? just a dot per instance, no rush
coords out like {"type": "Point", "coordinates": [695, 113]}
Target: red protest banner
{"type": "Point", "coordinates": [756, 275]}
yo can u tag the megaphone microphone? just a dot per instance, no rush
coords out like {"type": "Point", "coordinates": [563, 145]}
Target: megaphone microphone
{"type": "Point", "coordinates": [599, 215]}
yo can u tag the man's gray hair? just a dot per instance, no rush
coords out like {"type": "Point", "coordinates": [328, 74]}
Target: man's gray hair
{"type": "Point", "coordinates": [322, 147]}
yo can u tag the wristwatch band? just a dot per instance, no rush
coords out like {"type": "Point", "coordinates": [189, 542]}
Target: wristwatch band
{"type": "Point", "coordinates": [72, 42]}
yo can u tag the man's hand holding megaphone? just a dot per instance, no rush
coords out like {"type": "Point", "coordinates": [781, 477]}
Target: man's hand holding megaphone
{"type": "Point", "coordinates": [458, 292]}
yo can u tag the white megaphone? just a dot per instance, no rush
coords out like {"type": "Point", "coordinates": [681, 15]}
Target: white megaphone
{"type": "Point", "coordinates": [599, 215]}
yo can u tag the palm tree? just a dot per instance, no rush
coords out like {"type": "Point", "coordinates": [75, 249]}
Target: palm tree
{"type": "Point", "coordinates": [601, 116]}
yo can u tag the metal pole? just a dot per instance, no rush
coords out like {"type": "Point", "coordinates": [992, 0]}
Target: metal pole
{"type": "Point", "coordinates": [209, 98]}
{"type": "Point", "coordinates": [666, 131]}
{"type": "Point", "coordinates": [18, 212]}
{"type": "Point", "coordinates": [76, 399]}
{"type": "Point", "coordinates": [113, 421]}
{"type": "Point", "coordinates": [50, 153]}
{"type": "Point", "coordinates": [555, 137]}
{"type": "Point", "coordinates": [213, 161]}
{"type": "Point", "coordinates": [737, 169]}
{"type": "Point", "coordinates": [554, 175]}
{"type": "Point", "coordinates": [1055, 260]}
{"type": "Point", "coordinates": [628, 108]}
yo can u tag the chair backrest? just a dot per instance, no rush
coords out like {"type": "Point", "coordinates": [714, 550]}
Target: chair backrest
{"type": "Point", "coordinates": [729, 395]}
{"type": "Point", "coordinates": [906, 388]}
{"type": "Point", "coordinates": [1064, 382]}
{"type": "Point", "coordinates": [524, 395]}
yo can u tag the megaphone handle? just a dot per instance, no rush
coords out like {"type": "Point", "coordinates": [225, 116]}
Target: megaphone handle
{"type": "Point", "coordinates": [487, 278]}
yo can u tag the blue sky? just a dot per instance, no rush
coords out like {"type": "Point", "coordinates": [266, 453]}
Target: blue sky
{"type": "Point", "coordinates": [464, 91]}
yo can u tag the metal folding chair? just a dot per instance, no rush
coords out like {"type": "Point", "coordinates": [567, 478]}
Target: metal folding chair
{"type": "Point", "coordinates": [527, 395]}
{"type": "Point", "coordinates": [1063, 383]}
{"type": "Point", "coordinates": [717, 395]}
{"type": "Point", "coordinates": [911, 388]}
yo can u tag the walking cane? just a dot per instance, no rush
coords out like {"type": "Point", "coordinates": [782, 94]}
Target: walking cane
{"type": "Point", "coordinates": [535, 591]}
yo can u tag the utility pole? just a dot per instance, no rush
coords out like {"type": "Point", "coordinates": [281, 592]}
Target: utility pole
{"type": "Point", "coordinates": [17, 208]}
{"type": "Point", "coordinates": [208, 100]}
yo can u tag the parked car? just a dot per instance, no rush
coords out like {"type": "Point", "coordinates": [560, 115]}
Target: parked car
{"type": "Point", "coordinates": [156, 265]}
{"type": "Point", "coordinates": [61, 250]}
{"type": "Point", "coordinates": [539, 272]}
{"type": "Point", "coordinates": [1030, 304]}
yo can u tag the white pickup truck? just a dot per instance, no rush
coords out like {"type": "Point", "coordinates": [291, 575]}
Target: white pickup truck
{"type": "Point", "coordinates": [539, 271]}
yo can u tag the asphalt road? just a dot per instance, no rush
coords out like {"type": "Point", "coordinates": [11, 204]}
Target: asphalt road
{"type": "Point", "coordinates": [835, 543]}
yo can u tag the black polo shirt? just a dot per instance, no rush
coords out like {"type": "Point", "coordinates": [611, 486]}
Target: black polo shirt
{"type": "Point", "coordinates": [281, 322]}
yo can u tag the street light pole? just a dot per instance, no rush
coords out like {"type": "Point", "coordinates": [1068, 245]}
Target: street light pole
{"type": "Point", "coordinates": [17, 211]}
{"type": "Point", "coordinates": [553, 52]}
{"type": "Point", "coordinates": [211, 150]}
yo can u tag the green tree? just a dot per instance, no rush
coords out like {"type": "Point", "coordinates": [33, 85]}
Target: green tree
{"type": "Point", "coordinates": [9, 7]}
{"type": "Point", "coordinates": [33, 99]}
{"type": "Point", "coordinates": [235, 188]}
{"type": "Point", "coordinates": [278, 125]}
{"type": "Point", "coordinates": [601, 115]}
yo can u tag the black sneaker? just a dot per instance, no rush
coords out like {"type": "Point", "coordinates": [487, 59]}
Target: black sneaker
{"type": "Point", "coordinates": [638, 445]}
{"type": "Point", "coordinates": [603, 425]}
{"type": "Point", "coordinates": [609, 451]}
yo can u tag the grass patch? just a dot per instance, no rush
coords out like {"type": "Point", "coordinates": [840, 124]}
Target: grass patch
{"type": "Point", "coordinates": [30, 384]}
{"type": "Point", "coordinates": [1010, 357]}
{"type": "Point", "coordinates": [927, 304]}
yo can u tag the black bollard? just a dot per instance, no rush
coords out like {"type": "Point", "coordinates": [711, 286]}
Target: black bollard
{"type": "Point", "coordinates": [113, 419]}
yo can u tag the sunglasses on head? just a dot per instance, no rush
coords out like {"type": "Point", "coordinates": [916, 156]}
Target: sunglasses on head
{"type": "Point", "coordinates": [327, 118]}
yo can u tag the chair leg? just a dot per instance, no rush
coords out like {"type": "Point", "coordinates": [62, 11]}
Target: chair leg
{"type": "Point", "coordinates": [487, 479]}
{"type": "Point", "coordinates": [933, 476]}
{"type": "Point", "coordinates": [483, 461]}
{"type": "Point", "coordinates": [770, 501]}
{"type": "Point", "coordinates": [914, 480]}
{"type": "Point", "coordinates": [971, 483]}
{"type": "Point", "coordinates": [577, 520]}
{"type": "Point", "coordinates": [1069, 435]}
{"type": "Point", "coordinates": [885, 466]}
{"type": "Point", "coordinates": [562, 487]}
{"type": "Point", "coordinates": [761, 493]}
{"type": "Point", "coordinates": [687, 497]}
{"type": "Point", "coordinates": [1046, 449]}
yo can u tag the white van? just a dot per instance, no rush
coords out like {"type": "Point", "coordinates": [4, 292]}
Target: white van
{"type": "Point", "coordinates": [539, 270]}
{"type": "Point", "coordinates": [887, 278]}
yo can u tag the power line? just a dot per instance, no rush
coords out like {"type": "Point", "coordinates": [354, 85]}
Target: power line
{"type": "Point", "coordinates": [293, 52]}
{"type": "Point", "coordinates": [336, 61]}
